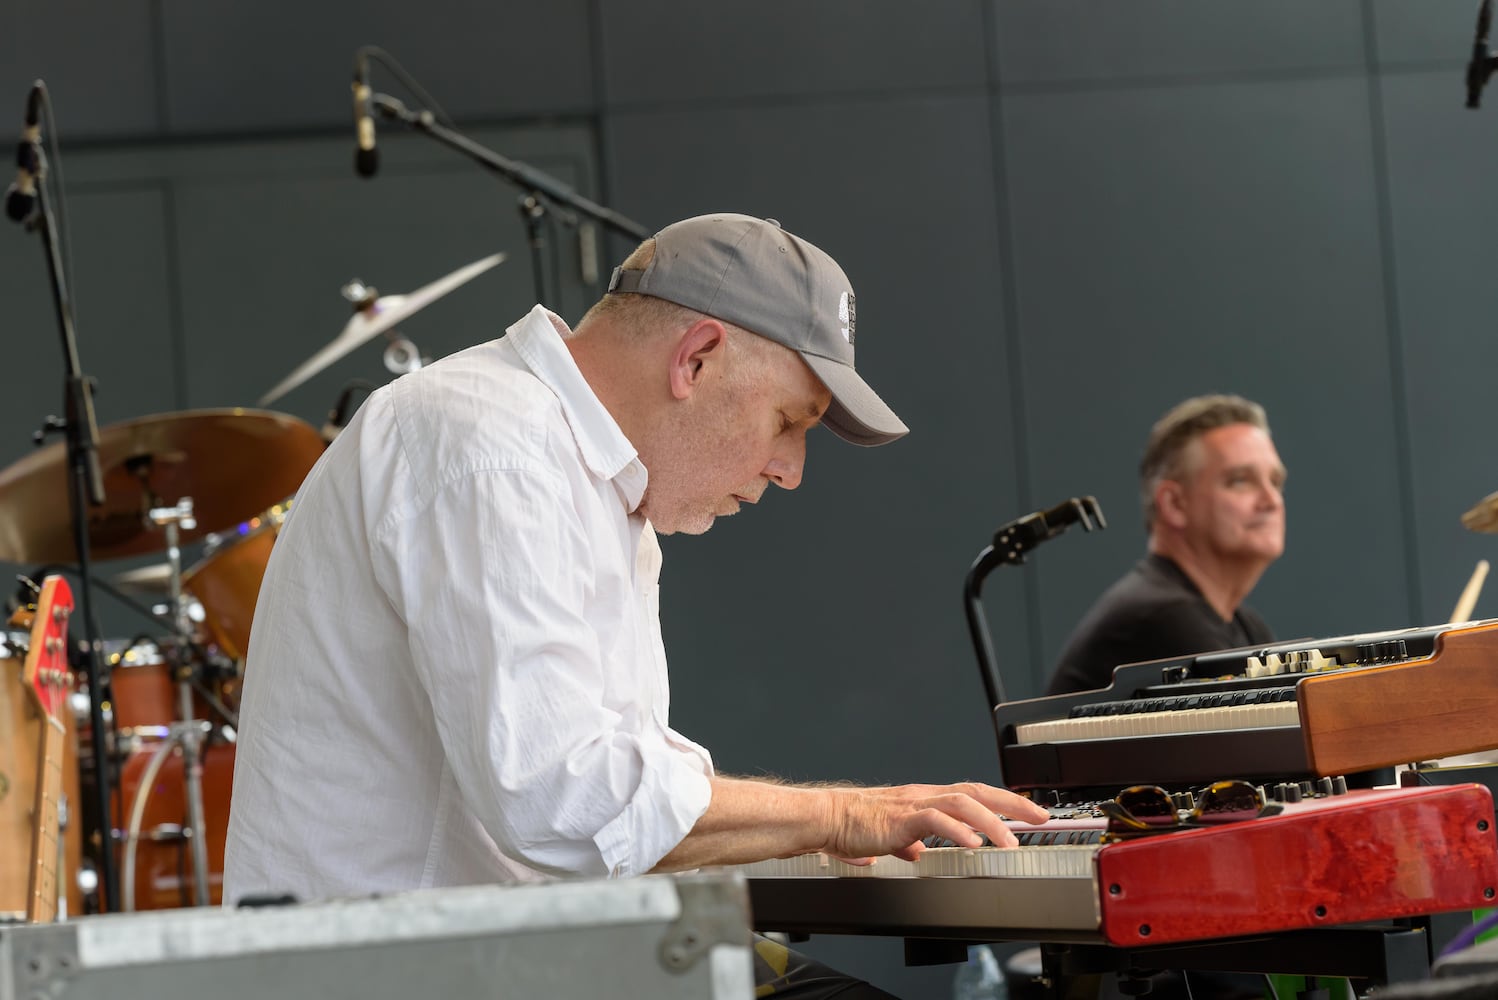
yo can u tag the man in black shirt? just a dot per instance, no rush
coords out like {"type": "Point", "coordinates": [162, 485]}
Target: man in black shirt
{"type": "Point", "coordinates": [1212, 487]}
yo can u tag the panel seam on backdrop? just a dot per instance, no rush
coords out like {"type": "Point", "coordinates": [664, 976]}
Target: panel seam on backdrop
{"type": "Point", "coordinates": [1013, 354]}
{"type": "Point", "coordinates": [1173, 81]}
{"type": "Point", "coordinates": [1403, 445]}
{"type": "Point", "coordinates": [163, 100]}
{"type": "Point", "coordinates": [173, 269]}
{"type": "Point", "coordinates": [876, 96]}
{"type": "Point", "coordinates": [602, 149]}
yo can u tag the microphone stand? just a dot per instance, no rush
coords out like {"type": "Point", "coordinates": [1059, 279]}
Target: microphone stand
{"type": "Point", "coordinates": [1010, 543]}
{"type": "Point", "coordinates": [533, 213]}
{"type": "Point", "coordinates": [1483, 61]}
{"type": "Point", "coordinates": [538, 186]}
{"type": "Point", "coordinates": [86, 483]}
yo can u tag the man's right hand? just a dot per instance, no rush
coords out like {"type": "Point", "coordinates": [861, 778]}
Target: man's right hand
{"type": "Point", "coordinates": [750, 820]}
{"type": "Point", "coordinates": [868, 822]}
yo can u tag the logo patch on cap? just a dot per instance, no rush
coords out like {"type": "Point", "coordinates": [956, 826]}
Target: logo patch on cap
{"type": "Point", "coordinates": [845, 316]}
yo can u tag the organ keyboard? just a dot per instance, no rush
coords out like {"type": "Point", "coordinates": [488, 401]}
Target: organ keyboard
{"type": "Point", "coordinates": [1303, 709]}
{"type": "Point", "coordinates": [1335, 859]}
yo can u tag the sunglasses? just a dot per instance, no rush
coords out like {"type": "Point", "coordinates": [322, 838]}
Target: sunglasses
{"type": "Point", "coordinates": [1146, 809]}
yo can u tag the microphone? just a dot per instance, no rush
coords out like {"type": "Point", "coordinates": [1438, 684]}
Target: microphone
{"type": "Point", "coordinates": [1481, 65]}
{"type": "Point", "coordinates": [20, 197]}
{"type": "Point", "coordinates": [366, 157]}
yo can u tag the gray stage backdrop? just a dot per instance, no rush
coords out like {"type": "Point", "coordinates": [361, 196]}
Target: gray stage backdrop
{"type": "Point", "coordinates": [1060, 219]}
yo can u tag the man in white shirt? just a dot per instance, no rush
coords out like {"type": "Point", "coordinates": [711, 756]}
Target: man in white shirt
{"type": "Point", "coordinates": [456, 673]}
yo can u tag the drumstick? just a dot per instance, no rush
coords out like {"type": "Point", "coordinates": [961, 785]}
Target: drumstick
{"type": "Point", "coordinates": [1468, 600]}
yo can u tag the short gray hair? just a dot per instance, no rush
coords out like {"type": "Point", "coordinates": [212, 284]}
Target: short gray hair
{"type": "Point", "coordinates": [1173, 433]}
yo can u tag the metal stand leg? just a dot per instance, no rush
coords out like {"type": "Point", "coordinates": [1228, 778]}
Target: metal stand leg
{"type": "Point", "coordinates": [191, 735]}
{"type": "Point", "coordinates": [192, 775]}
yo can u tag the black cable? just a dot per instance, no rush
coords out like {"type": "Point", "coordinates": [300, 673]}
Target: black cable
{"type": "Point", "coordinates": [137, 640]}
{"type": "Point", "coordinates": [71, 569]}
{"type": "Point", "coordinates": [417, 90]}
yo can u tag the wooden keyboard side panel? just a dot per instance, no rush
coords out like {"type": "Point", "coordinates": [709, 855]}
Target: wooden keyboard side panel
{"type": "Point", "coordinates": [1421, 710]}
{"type": "Point", "coordinates": [1370, 855]}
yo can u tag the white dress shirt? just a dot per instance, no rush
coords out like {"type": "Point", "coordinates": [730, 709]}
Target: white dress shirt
{"type": "Point", "coordinates": [456, 672]}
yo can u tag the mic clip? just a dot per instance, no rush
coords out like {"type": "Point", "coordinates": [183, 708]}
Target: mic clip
{"type": "Point", "coordinates": [1014, 539]}
{"type": "Point", "coordinates": [21, 201]}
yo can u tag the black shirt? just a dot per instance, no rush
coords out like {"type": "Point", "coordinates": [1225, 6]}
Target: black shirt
{"type": "Point", "coordinates": [1154, 612]}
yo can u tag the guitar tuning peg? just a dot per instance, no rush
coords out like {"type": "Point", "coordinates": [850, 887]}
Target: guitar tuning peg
{"type": "Point", "coordinates": [20, 603]}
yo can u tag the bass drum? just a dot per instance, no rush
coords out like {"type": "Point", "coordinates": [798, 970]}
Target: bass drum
{"type": "Point", "coordinates": [162, 861]}
{"type": "Point", "coordinates": [226, 580]}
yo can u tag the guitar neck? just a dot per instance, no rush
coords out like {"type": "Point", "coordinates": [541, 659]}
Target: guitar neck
{"type": "Point", "coordinates": [42, 888]}
{"type": "Point", "coordinates": [46, 676]}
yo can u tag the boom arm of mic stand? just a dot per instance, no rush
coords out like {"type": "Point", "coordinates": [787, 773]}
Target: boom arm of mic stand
{"type": "Point", "coordinates": [520, 174]}
{"type": "Point", "coordinates": [1010, 543]}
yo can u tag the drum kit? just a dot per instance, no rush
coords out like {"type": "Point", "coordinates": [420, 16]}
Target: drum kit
{"type": "Point", "coordinates": [226, 478]}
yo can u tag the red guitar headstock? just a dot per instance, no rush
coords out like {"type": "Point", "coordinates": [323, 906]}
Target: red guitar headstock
{"type": "Point", "coordinates": [46, 668]}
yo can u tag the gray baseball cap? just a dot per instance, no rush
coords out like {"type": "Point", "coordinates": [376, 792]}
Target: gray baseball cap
{"type": "Point", "coordinates": [754, 274]}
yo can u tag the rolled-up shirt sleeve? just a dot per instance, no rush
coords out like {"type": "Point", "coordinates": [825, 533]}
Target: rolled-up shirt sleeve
{"type": "Point", "coordinates": [554, 729]}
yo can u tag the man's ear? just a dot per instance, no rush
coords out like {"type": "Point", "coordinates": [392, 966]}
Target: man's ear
{"type": "Point", "coordinates": [1170, 503]}
{"type": "Point", "coordinates": [698, 353]}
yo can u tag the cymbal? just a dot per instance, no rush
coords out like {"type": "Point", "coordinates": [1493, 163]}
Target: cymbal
{"type": "Point", "coordinates": [369, 321]}
{"type": "Point", "coordinates": [155, 578]}
{"type": "Point", "coordinates": [1484, 516]}
{"type": "Point", "coordinates": [233, 463]}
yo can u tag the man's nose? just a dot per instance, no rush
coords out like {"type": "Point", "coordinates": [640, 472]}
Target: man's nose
{"type": "Point", "coordinates": [785, 467]}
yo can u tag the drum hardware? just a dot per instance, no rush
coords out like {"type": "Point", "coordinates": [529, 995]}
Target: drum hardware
{"type": "Point", "coordinates": [185, 737]}
{"type": "Point", "coordinates": [233, 463]}
{"type": "Point", "coordinates": [187, 734]}
{"type": "Point", "coordinates": [144, 678]}
{"type": "Point", "coordinates": [401, 356]}
{"type": "Point", "coordinates": [375, 314]}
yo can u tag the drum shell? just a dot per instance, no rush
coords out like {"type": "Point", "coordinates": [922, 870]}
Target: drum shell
{"type": "Point", "coordinates": [145, 693]}
{"type": "Point", "coordinates": [227, 582]}
{"type": "Point", "coordinates": [163, 867]}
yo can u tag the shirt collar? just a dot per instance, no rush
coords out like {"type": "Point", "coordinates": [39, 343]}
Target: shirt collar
{"type": "Point", "coordinates": [605, 450]}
